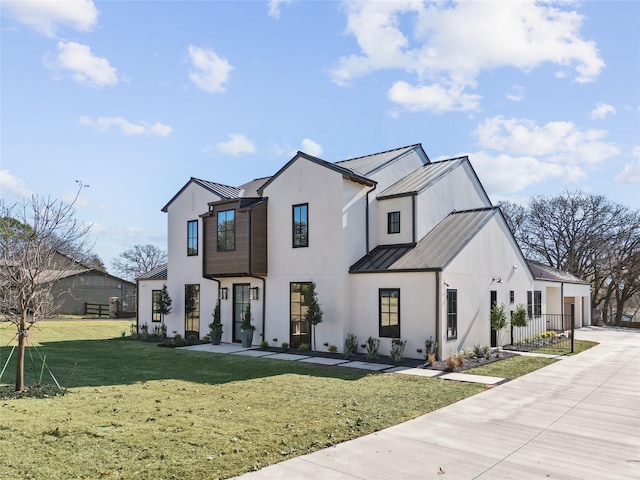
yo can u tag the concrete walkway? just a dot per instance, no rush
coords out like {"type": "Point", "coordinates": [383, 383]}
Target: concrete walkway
{"type": "Point", "coordinates": [575, 419]}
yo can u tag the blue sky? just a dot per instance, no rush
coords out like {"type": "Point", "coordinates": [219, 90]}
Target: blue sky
{"type": "Point", "coordinates": [134, 98]}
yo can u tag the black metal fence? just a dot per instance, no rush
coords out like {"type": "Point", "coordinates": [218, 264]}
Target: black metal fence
{"type": "Point", "coordinates": [549, 332]}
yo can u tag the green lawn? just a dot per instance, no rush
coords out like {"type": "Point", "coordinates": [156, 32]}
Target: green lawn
{"type": "Point", "coordinates": [134, 410]}
{"type": "Point", "coordinates": [578, 346]}
{"type": "Point", "coordinates": [512, 367]}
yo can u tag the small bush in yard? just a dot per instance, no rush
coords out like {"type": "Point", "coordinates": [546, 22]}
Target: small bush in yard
{"type": "Point", "coordinates": [372, 348]}
{"type": "Point", "coordinates": [264, 344]}
{"type": "Point", "coordinates": [452, 362]}
{"type": "Point", "coordinates": [332, 349]}
{"type": "Point", "coordinates": [350, 345]}
{"type": "Point", "coordinates": [397, 350]}
{"type": "Point", "coordinates": [304, 347]}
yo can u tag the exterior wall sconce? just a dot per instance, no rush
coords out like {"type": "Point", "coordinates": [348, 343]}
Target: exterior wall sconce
{"type": "Point", "coordinates": [497, 280]}
{"type": "Point", "coordinates": [253, 293]}
{"type": "Point", "coordinates": [223, 293]}
{"type": "Point", "coordinates": [447, 284]}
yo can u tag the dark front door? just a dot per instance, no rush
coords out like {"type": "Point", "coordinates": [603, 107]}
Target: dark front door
{"type": "Point", "coordinates": [240, 303]}
{"type": "Point", "coordinates": [494, 334]}
{"type": "Point", "coordinates": [299, 303]}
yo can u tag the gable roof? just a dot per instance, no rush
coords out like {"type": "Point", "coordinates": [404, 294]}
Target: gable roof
{"type": "Point", "coordinates": [421, 178]}
{"type": "Point", "coordinates": [158, 273]}
{"type": "Point", "coordinates": [368, 164]}
{"type": "Point", "coordinates": [223, 191]}
{"type": "Point", "coordinates": [546, 273]}
{"type": "Point", "coordinates": [434, 251]}
{"type": "Point", "coordinates": [347, 173]}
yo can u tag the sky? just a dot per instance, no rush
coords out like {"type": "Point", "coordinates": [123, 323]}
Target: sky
{"type": "Point", "coordinates": [129, 100]}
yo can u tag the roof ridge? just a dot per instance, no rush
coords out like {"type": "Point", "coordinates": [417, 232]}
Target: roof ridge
{"type": "Point", "coordinates": [379, 153]}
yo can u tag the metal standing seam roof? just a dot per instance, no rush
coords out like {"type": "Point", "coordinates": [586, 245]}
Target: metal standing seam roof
{"type": "Point", "coordinates": [158, 273]}
{"type": "Point", "coordinates": [421, 178]}
{"type": "Point", "coordinates": [223, 191]}
{"type": "Point", "coordinates": [545, 272]}
{"type": "Point", "coordinates": [370, 163]}
{"type": "Point", "coordinates": [434, 251]}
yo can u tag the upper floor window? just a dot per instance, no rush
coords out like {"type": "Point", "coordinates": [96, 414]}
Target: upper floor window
{"type": "Point", "coordinates": [389, 312]}
{"type": "Point", "coordinates": [192, 237]}
{"type": "Point", "coordinates": [300, 225]}
{"type": "Point", "coordinates": [393, 222]}
{"type": "Point", "coordinates": [226, 230]}
{"type": "Point", "coordinates": [452, 313]}
{"type": "Point", "coordinates": [512, 296]}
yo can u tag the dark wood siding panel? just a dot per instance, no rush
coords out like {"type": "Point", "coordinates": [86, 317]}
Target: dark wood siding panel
{"type": "Point", "coordinates": [259, 240]}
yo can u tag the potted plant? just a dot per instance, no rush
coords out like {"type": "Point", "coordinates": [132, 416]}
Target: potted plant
{"type": "Point", "coordinates": [216, 326]}
{"type": "Point", "coordinates": [246, 329]}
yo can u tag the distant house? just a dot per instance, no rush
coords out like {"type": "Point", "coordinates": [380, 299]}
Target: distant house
{"type": "Point", "coordinates": [79, 285]}
{"type": "Point", "coordinates": [397, 245]}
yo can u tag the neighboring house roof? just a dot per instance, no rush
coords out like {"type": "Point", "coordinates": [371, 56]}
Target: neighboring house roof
{"type": "Point", "coordinates": [434, 251]}
{"type": "Point", "coordinates": [346, 172]}
{"type": "Point", "coordinates": [368, 164]}
{"type": "Point", "coordinates": [250, 189]}
{"type": "Point", "coordinates": [421, 178]}
{"type": "Point", "coordinates": [551, 274]}
{"type": "Point", "coordinates": [158, 273]}
{"type": "Point", "coordinates": [223, 191]}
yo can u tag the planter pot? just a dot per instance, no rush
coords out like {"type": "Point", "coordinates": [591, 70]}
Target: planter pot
{"type": "Point", "coordinates": [246, 336]}
{"type": "Point", "coordinates": [216, 336]}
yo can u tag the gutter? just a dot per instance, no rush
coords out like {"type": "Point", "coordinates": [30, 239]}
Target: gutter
{"type": "Point", "coordinates": [437, 302]}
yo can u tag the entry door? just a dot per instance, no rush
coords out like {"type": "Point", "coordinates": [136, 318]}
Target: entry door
{"type": "Point", "coordinates": [240, 303]}
{"type": "Point", "coordinates": [494, 334]}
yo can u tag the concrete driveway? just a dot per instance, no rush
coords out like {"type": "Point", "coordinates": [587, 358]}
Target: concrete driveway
{"type": "Point", "coordinates": [576, 419]}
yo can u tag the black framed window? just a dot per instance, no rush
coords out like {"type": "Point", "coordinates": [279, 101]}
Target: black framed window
{"type": "Point", "coordinates": [389, 312]}
{"type": "Point", "coordinates": [192, 237]}
{"type": "Point", "coordinates": [452, 313]}
{"type": "Point", "coordinates": [300, 225]}
{"type": "Point", "coordinates": [512, 296]}
{"type": "Point", "coordinates": [534, 304]}
{"type": "Point", "coordinates": [155, 306]}
{"type": "Point", "coordinates": [192, 310]}
{"type": "Point", "coordinates": [299, 298]}
{"type": "Point", "coordinates": [226, 230]}
{"type": "Point", "coordinates": [393, 222]}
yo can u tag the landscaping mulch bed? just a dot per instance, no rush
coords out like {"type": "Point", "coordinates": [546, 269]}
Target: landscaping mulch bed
{"type": "Point", "coordinates": [406, 362]}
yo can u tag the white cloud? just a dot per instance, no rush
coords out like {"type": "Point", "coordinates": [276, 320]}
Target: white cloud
{"type": "Point", "coordinates": [85, 67]}
{"type": "Point", "coordinates": [274, 7]}
{"type": "Point", "coordinates": [601, 111]}
{"type": "Point", "coordinates": [451, 43]}
{"type": "Point", "coordinates": [433, 97]}
{"type": "Point", "coordinates": [211, 72]}
{"type": "Point", "coordinates": [237, 144]}
{"type": "Point", "coordinates": [103, 124]}
{"type": "Point", "coordinates": [505, 174]}
{"type": "Point", "coordinates": [310, 147]}
{"type": "Point", "coordinates": [556, 141]}
{"type": "Point", "coordinates": [515, 93]}
{"type": "Point", "coordinates": [13, 185]}
{"type": "Point", "coordinates": [47, 17]}
{"type": "Point", "coordinates": [630, 174]}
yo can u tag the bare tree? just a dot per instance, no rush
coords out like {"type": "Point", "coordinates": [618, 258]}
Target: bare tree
{"type": "Point", "coordinates": [33, 234]}
{"type": "Point", "coordinates": [588, 236]}
{"type": "Point", "coordinates": [137, 261]}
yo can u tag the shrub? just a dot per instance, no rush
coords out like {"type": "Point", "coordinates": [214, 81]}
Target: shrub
{"type": "Point", "coordinates": [264, 344]}
{"type": "Point", "coordinates": [430, 347]}
{"type": "Point", "coordinates": [206, 339]}
{"type": "Point", "coordinates": [350, 345]}
{"type": "Point", "coordinates": [452, 362]}
{"type": "Point", "coordinates": [397, 350]}
{"type": "Point", "coordinates": [285, 346]}
{"type": "Point", "coordinates": [460, 358]}
{"type": "Point", "coordinates": [304, 347]}
{"type": "Point", "coordinates": [333, 348]}
{"type": "Point", "coordinates": [431, 359]}
{"type": "Point", "coordinates": [177, 336]}
{"type": "Point", "coordinates": [372, 348]}
{"type": "Point", "coordinates": [519, 317]}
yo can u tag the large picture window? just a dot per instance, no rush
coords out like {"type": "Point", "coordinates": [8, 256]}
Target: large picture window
{"type": "Point", "coordinates": [226, 230]}
{"type": "Point", "coordinates": [192, 237]}
{"type": "Point", "coordinates": [300, 295]}
{"type": "Point", "coordinates": [192, 311]}
{"type": "Point", "coordinates": [393, 222]}
{"type": "Point", "coordinates": [155, 305]}
{"type": "Point", "coordinates": [389, 308]}
{"type": "Point", "coordinates": [452, 313]}
{"type": "Point", "coordinates": [300, 225]}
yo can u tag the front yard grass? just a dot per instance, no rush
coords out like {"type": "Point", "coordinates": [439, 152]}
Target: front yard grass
{"type": "Point", "coordinates": [134, 410]}
{"type": "Point", "coordinates": [578, 346]}
{"type": "Point", "coordinates": [512, 367]}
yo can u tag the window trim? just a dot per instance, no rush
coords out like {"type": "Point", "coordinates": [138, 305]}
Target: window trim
{"type": "Point", "coordinates": [156, 316]}
{"type": "Point", "coordinates": [296, 241]}
{"type": "Point", "coordinates": [534, 303]}
{"type": "Point", "coordinates": [192, 252]}
{"type": "Point", "coordinates": [393, 222]}
{"type": "Point", "coordinates": [452, 316]}
{"type": "Point", "coordinates": [512, 296]}
{"type": "Point", "coordinates": [226, 232]}
{"type": "Point", "coordinates": [390, 331]}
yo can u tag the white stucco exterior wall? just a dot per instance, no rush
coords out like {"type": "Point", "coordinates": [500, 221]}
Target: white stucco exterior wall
{"type": "Point", "coordinates": [145, 299]}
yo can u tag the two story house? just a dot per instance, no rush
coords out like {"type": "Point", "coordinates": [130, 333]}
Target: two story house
{"type": "Point", "coordinates": [397, 245]}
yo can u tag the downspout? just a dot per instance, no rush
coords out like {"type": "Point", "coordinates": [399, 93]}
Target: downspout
{"type": "Point", "coordinates": [138, 305]}
{"type": "Point", "coordinates": [438, 297]}
{"type": "Point", "coordinates": [367, 216]}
